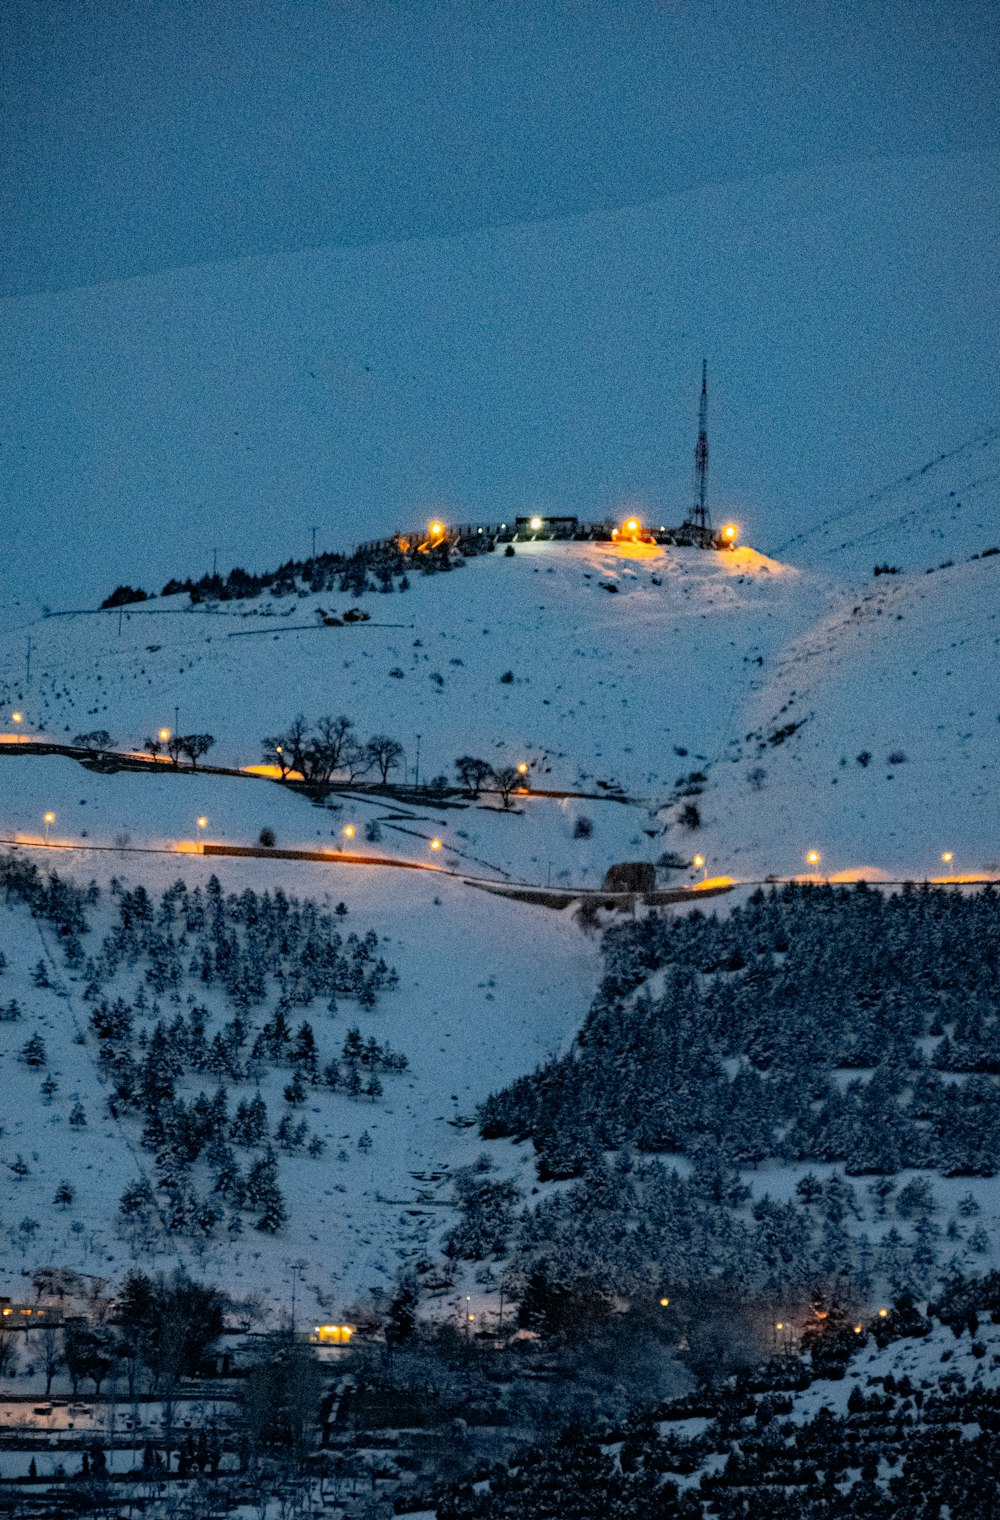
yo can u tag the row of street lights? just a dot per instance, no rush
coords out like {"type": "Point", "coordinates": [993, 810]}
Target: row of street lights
{"type": "Point", "coordinates": [813, 858]}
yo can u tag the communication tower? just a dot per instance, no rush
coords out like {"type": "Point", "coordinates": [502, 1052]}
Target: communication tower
{"type": "Point", "coordinates": [700, 518]}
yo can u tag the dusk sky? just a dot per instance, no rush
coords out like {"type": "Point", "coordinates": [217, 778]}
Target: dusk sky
{"type": "Point", "coordinates": [271, 266]}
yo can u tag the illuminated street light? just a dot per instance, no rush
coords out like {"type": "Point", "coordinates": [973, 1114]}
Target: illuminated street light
{"type": "Point", "coordinates": [664, 1302]}
{"type": "Point", "coordinates": [163, 735]}
{"type": "Point", "coordinates": [348, 831]}
{"type": "Point", "coordinates": [948, 856]}
{"type": "Point", "coordinates": [536, 524]}
{"type": "Point", "coordinates": [48, 819]}
{"type": "Point", "coordinates": [435, 844]}
{"type": "Point", "coordinates": [883, 1314]}
{"type": "Point", "coordinates": [17, 717]}
{"type": "Point", "coordinates": [522, 769]}
{"type": "Point", "coordinates": [730, 534]}
{"type": "Point", "coordinates": [436, 530]}
{"type": "Point", "coordinates": [631, 527]}
{"type": "Point", "coordinates": [813, 859]}
{"type": "Point", "coordinates": [699, 864]}
{"type": "Point", "coordinates": [203, 823]}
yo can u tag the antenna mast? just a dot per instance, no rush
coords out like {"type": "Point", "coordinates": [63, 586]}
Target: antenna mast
{"type": "Point", "coordinates": [699, 514]}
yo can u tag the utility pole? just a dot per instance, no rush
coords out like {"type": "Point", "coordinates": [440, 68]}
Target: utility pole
{"type": "Point", "coordinates": [295, 1269]}
{"type": "Point", "coordinates": [699, 512]}
{"type": "Point", "coordinates": [27, 664]}
{"type": "Point", "coordinates": [215, 563]}
{"type": "Point", "coordinates": [314, 543]}
{"type": "Point", "coordinates": [416, 768]}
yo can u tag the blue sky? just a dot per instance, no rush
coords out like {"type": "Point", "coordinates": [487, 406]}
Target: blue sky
{"type": "Point", "coordinates": [274, 265]}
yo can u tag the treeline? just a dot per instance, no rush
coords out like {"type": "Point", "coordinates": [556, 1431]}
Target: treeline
{"type": "Point", "coordinates": [917, 1444]}
{"type": "Point", "coordinates": [382, 567]}
{"type": "Point", "coordinates": [812, 1025]}
{"type": "Point", "coordinates": [754, 1042]}
{"type": "Point", "coordinates": [331, 748]}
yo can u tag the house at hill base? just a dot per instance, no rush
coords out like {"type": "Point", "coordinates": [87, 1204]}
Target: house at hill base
{"type": "Point", "coordinates": [331, 1335]}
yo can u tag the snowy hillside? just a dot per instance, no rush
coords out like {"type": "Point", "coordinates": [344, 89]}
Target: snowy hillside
{"type": "Point", "coordinates": [671, 700]}
{"type": "Point", "coordinates": [484, 990]}
{"type": "Point", "coordinates": [669, 674]}
{"type": "Point", "coordinates": [945, 509]}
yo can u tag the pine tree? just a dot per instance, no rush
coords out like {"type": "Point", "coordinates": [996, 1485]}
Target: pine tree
{"type": "Point", "coordinates": [294, 1092]}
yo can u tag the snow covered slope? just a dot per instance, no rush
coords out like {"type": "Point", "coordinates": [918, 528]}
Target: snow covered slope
{"type": "Point", "coordinates": [726, 681]}
{"type": "Point", "coordinates": [945, 509]}
{"type": "Point", "coordinates": [594, 664]}
{"type": "Point", "coordinates": [894, 756]}
{"type": "Point", "coordinates": [485, 990]}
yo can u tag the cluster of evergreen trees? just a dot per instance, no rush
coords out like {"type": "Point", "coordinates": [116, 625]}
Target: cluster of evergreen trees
{"type": "Point", "coordinates": [238, 942]}
{"type": "Point", "coordinates": [243, 942]}
{"type": "Point", "coordinates": [384, 567]}
{"type": "Point", "coordinates": [215, 1155]}
{"type": "Point", "coordinates": [912, 1447]}
{"type": "Point", "coordinates": [813, 1024]}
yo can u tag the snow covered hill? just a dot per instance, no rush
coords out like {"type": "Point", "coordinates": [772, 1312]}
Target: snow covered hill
{"type": "Point", "coordinates": [484, 990]}
{"type": "Point", "coordinates": [728, 682]}
{"type": "Point", "coordinates": [681, 701]}
{"type": "Point", "coordinates": [945, 509]}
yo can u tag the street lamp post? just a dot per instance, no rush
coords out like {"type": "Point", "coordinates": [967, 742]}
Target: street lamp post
{"type": "Point", "coordinates": [48, 819]}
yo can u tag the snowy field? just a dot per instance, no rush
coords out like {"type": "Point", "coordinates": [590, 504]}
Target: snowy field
{"type": "Point", "coordinates": [693, 663]}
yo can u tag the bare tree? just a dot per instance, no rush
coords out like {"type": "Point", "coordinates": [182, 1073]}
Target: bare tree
{"type": "Point", "coordinates": [357, 761]}
{"type": "Point", "coordinates": [473, 773]}
{"type": "Point", "coordinates": [8, 1351]}
{"type": "Point", "coordinates": [294, 742]}
{"type": "Point", "coordinates": [335, 734]}
{"type": "Point", "coordinates": [507, 779]}
{"type": "Point", "coordinates": [386, 754]}
{"type": "Point", "coordinates": [195, 746]}
{"type": "Point", "coordinates": [52, 1357]}
{"type": "Point", "coordinates": [174, 746]}
{"type": "Point", "coordinates": [273, 753]}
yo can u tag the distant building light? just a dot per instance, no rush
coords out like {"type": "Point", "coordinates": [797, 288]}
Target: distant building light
{"type": "Point", "coordinates": [337, 1335]}
{"type": "Point", "coordinates": [535, 524]}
